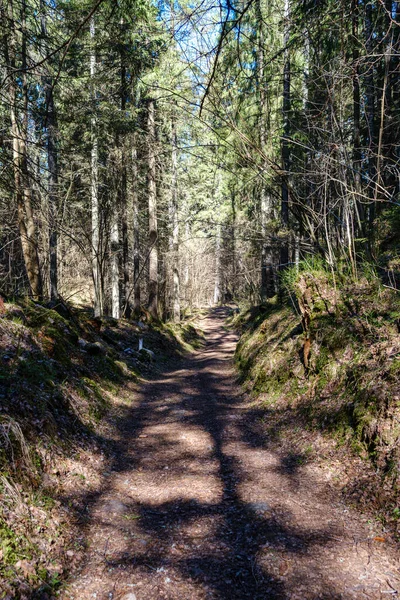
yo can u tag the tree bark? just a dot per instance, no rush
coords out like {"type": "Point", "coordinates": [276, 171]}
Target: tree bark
{"type": "Point", "coordinates": [152, 199]}
{"type": "Point", "coordinates": [286, 105]}
{"type": "Point", "coordinates": [114, 241]}
{"type": "Point", "coordinates": [217, 283]}
{"type": "Point", "coordinates": [176, 305]}
{"type": "Point", "coordinates": [124, 199]}
{"type": "Point", "coordinates": [356, 113]}
{"type": "Point", "coordinates": [136, 235]}
{"type": "Point", "coordinates": [267, 288]}
{"type": "Point", "coordinates": [370, 108]}
{"type": "Point", "coordinates": [94, 191]}
{"type": "Point", "coordinates": [19, 132]}
{"type": "Point", "coordinates": [52, 162]}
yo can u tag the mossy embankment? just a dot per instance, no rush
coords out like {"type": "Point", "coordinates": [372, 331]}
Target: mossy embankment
{"type": "Point", "coordinates": [324, 370]}
{"type": "Point", "coordinates": [65, 378]}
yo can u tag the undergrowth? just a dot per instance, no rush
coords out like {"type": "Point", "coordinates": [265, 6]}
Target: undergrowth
{"type": "Point", "coordinates": [329, 361]}
{"type": "Point", "coordinates": [60, 377]}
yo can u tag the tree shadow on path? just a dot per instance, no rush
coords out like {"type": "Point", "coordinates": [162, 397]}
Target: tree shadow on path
{"type": "Point", "coordinates": [178, 460]}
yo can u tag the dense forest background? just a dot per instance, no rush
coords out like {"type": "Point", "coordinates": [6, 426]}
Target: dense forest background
{"type": "Point", "coordinates": [158, 159]}
{"type": "Point", "coordinates": [175, 155]}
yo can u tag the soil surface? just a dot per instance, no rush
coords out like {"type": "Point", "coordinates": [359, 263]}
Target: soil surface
{"type": "Point", "coordinates": [196, 506]}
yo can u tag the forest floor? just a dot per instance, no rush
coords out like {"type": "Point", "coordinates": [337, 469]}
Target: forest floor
{"type": "Point", "coordinates": [195, 504]}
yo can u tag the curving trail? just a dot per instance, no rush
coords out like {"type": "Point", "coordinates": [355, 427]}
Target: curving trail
{"type": "Point", "coordinates": [196, 506]}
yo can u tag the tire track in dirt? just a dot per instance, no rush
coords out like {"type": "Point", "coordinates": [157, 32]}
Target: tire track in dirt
{"type": "Point", "coordinates": [196, 507]}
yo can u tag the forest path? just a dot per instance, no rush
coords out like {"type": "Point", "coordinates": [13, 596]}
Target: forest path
{"type": "Point", "coordinates": [197, 506]}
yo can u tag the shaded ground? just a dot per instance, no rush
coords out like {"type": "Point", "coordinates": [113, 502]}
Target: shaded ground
{"type": "Point", "coordinates": [196, 506]}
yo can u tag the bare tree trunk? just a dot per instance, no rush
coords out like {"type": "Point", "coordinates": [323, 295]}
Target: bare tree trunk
{"type": "Point", "coordinates": [176, 308]}
{"type": "Point", "coordinates": [267, 288]}
{"type": "Point", "coordinates": [234, 252]}
{"type": "Point", "coordinates": [186, 270]}
{"type": "Point", "coordinates": [136, 234]}
{"type": "Point", "coordinates": [19, 131]}
{"type": "Point", "coordinates": [152, 198]}
{"type": "Point", "coordinates": [124, 199]}
{"type": "Point", "coordinates": [125, 241]}
{"type": "Point", "coordinates": [389, 179]}
{"type": "Point", "coordinates": [94, 191]}
{"type": "Point", "coordinates": [356, 117]}
{"type": "Point", "coordinates": [284, 254]}
{"type": "Point", "coordinates": [392, 134]}
{"type": "Point", "coordinates": [52, 161]}
{"type": "Point", "coordinates": [114, 240]}
{"type": "Point", "coordinates": [217, 284]}
{"type": "Point", "coordinates": [370, 107]}
{"type": "Point", "coordinates": [267, 263]}
{"type": "Point", "coordinates": [174, 243]}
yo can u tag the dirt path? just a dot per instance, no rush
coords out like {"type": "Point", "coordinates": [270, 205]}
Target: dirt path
{"type": "Point", "coordinates": [197, 507]}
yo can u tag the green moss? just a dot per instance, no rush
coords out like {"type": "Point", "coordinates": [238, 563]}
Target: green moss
{"type": "Point", "coordinates": [321, 361]}
{"type": "Point", "coordinates": [38, 315]}
{"type": "Point", "coordinates": [98, 404]}
{"type": "Point", "coordinates": [261, 383]}
{"type": "Point", "coordinates": [394, 368]}
{"type": "Point", "coordinates": [106, 368]}
{"type": "Point", "coordinates": [353, 381]}
{"type": "Point", "coordinates": [35, 370]}
{"type": "Point", "coordinates": [58, 348]}
{"type": "Point", "coordinates": [94, 387]}
{"type": "Point", "coordinates": [184, 336]}
{"type": "Point", "coordinates": [125, 370]}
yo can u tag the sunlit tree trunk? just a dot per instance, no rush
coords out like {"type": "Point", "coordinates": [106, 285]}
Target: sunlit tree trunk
{"type": "Point", "coordinates": [136, 234]}
{"type": "Point", "coordinates": [124, 199]}
{"type": "Point", "coordinates": [52, 162]}
{"type": "Point", "coordinates": [286, 105]}
{"type": "Point", "coordinates": [19, 132]}
{"type": "Point", "coordinates": [114, 241]}
{"type": "Point", "coordinates": [152, 199]}
{"type": "Point", "coordinates": [356, 117]}
{"type": "Point", "coordinates": [267, 288]}
{"type": "Point", "coordinates": [94, 185]}
{"type": "Point", "coordinates": [186, 268]}
{"type": "Point", "coordinates": [217, 284]}
{"type": "Point", "coordinates": [392, 133]}
{"type": "Point", "coordinates": [370, 107]}
{"type": "Point", "coordinates": [176, 306]}
{"type": "Point", "coordinates": [234, 252]}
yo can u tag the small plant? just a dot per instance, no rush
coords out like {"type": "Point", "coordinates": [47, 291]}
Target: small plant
{"type": "Point", "coordinates": [13, 442]}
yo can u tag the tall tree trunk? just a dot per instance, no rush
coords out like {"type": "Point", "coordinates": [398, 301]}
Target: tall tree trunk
{"type": "Point", "coordinates": [124, 199]}
{"type": "Point", "coordinates": [94, 186]}
{"type": "Point", "coordinates": [136, 234]}
{"type": "Point", "coordinates": [286, 105]}
{"type": "Point", "coordinates": [114, 241]}
{"type": "Point", "coordinates": [370, 107]}
{"type": "Point", "coordinates": [152, 198]}
{"type": "Point", "coordinates": [19, 132]}
{"type": "Point", "coordinates": [391, 134]}
{"type": "Point", "coordinates": [359, 224]}
{"type": "Point", "coordinates": [186, 269]}
{"type": "Point", "coordinates": [267, 288]}
{"type": "Point", "coordinates": [176, 305]}
{"type": "Point", "coordinates": [234, 253]}
{"type": "Point", "coordinates": [125, 239]}
{"type": "Point", "coordinates": [383, 108]}
{"type": "Point", "coordinates": [52, 162]}
{"type": "Point", "coordinates": [217, 282]}
{"type": "Point", "coordinates": [357, 115]}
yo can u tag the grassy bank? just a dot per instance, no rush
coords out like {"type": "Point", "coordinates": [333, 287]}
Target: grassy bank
{"type": "Point", "coordinates": [325, 371]}
{"type": "Point", "coordinates": [64, 379]}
